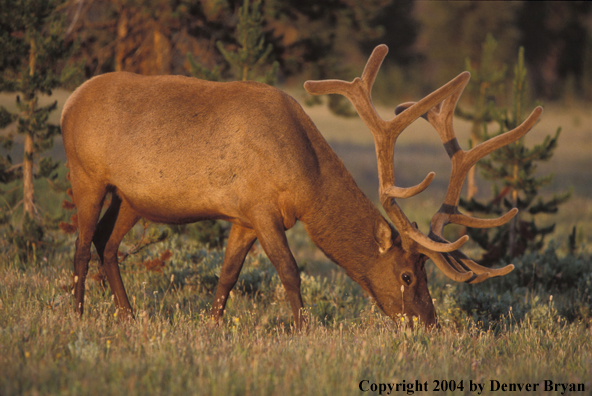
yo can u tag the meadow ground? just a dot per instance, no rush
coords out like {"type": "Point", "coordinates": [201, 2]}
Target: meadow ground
{"type": "Point", "coordinates": [531, 327]}
{"type": "Point", "coordinates": [172, 348]}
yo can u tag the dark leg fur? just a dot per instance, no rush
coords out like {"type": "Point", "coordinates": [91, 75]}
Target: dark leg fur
{"type": "Point", "coordinates": [117, 221]}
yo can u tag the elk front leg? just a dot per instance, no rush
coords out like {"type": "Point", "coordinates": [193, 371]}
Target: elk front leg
{"type": "Point", "coordinates": [239, 243]}
{"type": "Point", "coordinates": [88, 200]}
{"type": "Point", "coordinates": [272, 237]}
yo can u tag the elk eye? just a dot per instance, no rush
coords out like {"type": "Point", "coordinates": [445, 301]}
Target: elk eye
{"type": "Point", "coordinates": [406, 278]}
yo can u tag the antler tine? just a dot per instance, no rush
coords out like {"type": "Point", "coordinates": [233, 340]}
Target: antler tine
{"type": "Point", "coordinates": [432, 103]}
{"type": "Point", "coordinates": [458, 261]}
{"type": "Point", "coordinates": [506, 138]}
{"type": "Point", "coordinates": [345, 88]}
{"type": "Point", "coordinates": [373, 65]}
{"type": "Point", "coordinates": [469, 265]}
{"type": "Point", "coordinates": [440, 259]}
{"type": "Point", "coordinates": [411, 235]}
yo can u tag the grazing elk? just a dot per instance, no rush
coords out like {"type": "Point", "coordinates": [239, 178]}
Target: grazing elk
{"type": "Point", "coordinates": [173, 149]}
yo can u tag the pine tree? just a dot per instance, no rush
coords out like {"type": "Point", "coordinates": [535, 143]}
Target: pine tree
{"type": "Point", "coordinates": [202, 72]}
{"type": "Point", "coordinates": [33, 62]}
{"type": "Point", "coordinates": [513, 169]}
{"type": "Point", "coordinates": [251, 54]}
{"type": "Point", "coordinates": [486, 86]}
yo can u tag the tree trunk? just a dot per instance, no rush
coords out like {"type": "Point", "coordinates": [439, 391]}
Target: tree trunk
{"type": "Point", "coordinates": [475, 140]}
{"type": "Point", "coordinates": [162, 49]}
{"type": "Point", "coordinates": [471, 185]}
{"type": "Point", "coordinates": [514, 221]}
{"type": "Point", "coordinates": [28, 189]}
{"type": "Point", "coordinates": [476, 137]}
{"type": "Point", "coordinates": [120, 47]}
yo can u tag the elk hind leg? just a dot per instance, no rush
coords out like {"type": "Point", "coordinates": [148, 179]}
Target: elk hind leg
{"type": "Point", "coordinates": [123, 218]}
{"type": "Point", "coordinates": [239, 243]}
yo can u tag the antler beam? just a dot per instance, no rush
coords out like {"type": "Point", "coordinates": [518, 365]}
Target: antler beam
{"type": "Point", "coordinates": [438, 108]}
{"type": "Point", "coordinates": [440, 117]}
{"type": "Point", "coordinates": [385, 134]}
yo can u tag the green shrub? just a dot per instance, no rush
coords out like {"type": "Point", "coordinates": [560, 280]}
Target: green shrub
{"type": "Point", "coordinates": [197, 270]}
{"type": "Point", "coordinates": [542, 287]}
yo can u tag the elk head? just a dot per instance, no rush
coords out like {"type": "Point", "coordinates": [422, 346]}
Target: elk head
{"type": "Point", "coordinates": [405, 282]}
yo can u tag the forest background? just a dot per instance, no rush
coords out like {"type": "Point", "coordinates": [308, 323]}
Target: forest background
{"type": "Point", "coordinates": [429, 41]}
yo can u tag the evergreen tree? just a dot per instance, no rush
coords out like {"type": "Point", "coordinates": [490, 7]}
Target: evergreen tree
{"type": "Point", "coordinates": [251, 54]}
{"type": "Point", "coordinates": [485, 88]}
{"type": "Point", "coordinates": [513, 169]}
{"type": "Point", "coordinates": [33, 61]}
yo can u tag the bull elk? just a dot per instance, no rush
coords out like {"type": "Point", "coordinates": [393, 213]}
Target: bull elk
{"type": "Point", "coordinates": [173, 149]}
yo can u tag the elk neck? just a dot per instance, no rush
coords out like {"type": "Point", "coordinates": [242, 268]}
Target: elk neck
{"type": "Point", "coordinates": [341, 220]}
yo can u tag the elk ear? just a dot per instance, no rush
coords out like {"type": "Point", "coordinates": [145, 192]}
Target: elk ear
{"type": "Point", "coordinates": [383, 235]}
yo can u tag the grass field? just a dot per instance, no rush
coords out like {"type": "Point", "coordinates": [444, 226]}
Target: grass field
{"type": "Point", "coordinates": [172, 348]}
{"type": "Point", "coordinates": [531, 327]}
